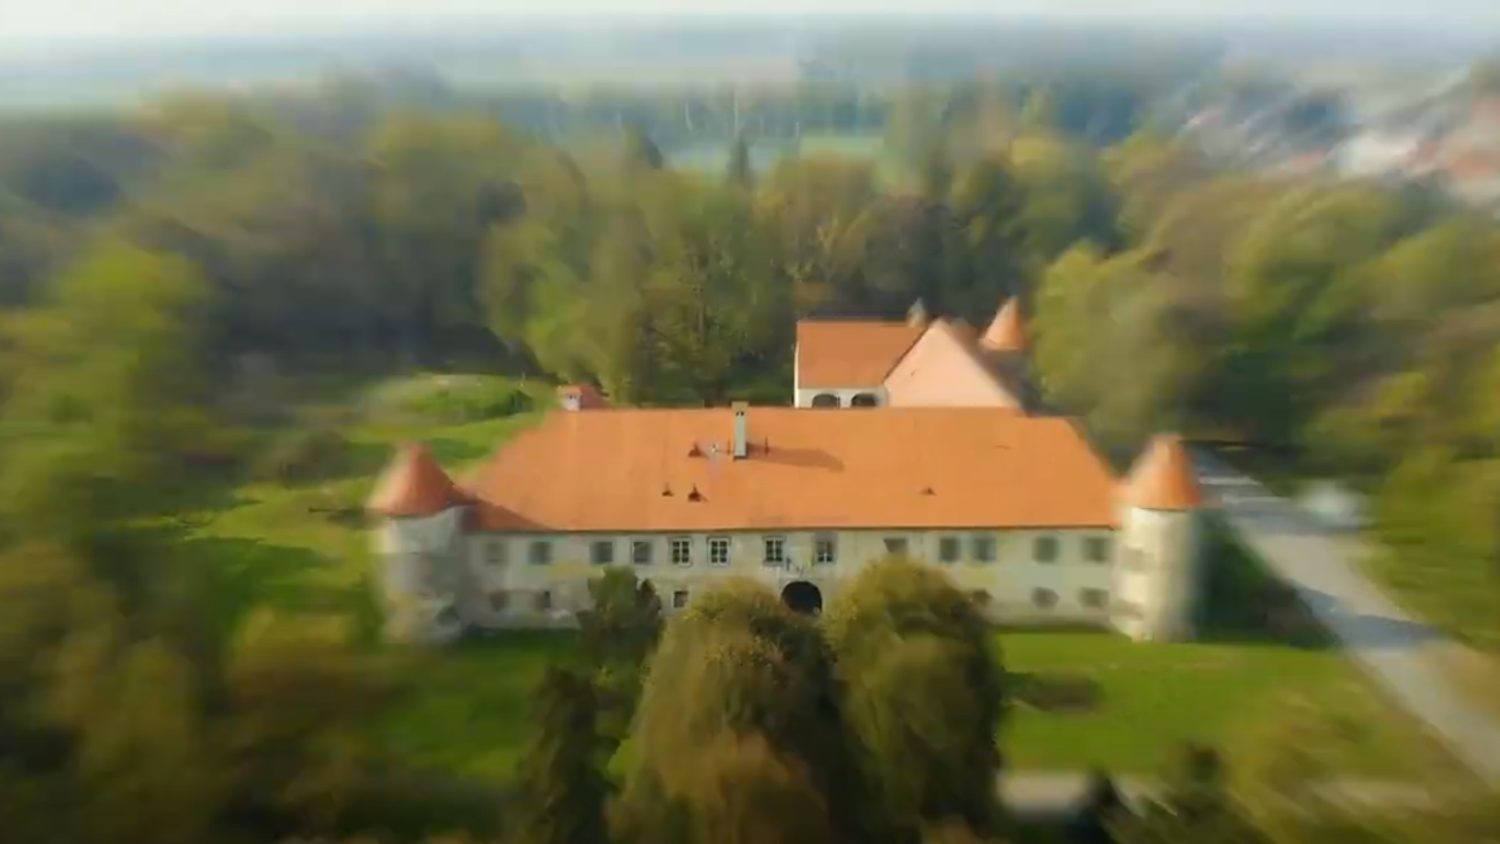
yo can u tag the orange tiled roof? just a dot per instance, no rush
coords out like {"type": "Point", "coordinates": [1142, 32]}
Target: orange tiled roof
{"type": "Point", "coordinates": [413, 484]}
{"type": "Point", "coordinates": [651, 470]}
{"type": "Point", "coordinates": [850, 354]}
{"type": "Point", "coordinates": [1163, 478]}
{"type": "Point", "coordinates": [1007, 332]}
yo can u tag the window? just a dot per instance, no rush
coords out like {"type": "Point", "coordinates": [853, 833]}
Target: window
{"type": "Point", "coordinates": [825, 549]}
{"type": "Point", "coordinates": [682, 551]}
{"type": "Point", "coordinates": [540, 553]}
{"type": "Point", "coordinates": [948, 549]}
{"type": "Point", "coordinates": [1094, 599]}
{"type": "Point", "coordinates": [602, 553]}
{"type": "Point", "coordinates": [1044, 599]}
{"type": "Point", "coordinates": [718, 550]}
{"type": "Point", "coordinates": [499, 601]}
{"type": "Point", "coordinates": [895, 546]}
{"type": "Point", "coordinates": [1096, 549]}
{"type": "Point", "coordinates": [640, 552]}
{"type": "Point", "coordinates": [1044, 549]}
{"type": "Point", "coordinates": [865, 400]}
{"type": "Point", "coordinates": [983, 550]}
{"type": "Point", "coordinates": [496, 552]}
{"type": "Point", "coordinates": [775, 550]}
{"type": "Point", "coordinates": [825, 400]}
{"type": "Point", "coordinates": [679, 599]}
{"type": "Point", "coordinates": [543, 601]}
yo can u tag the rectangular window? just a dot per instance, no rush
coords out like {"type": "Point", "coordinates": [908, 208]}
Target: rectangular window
{"type": "Point", "coordinates": [543, 601]}
{"type": "Point", "coordinates": [775, 547]}
{"type": "Point", "coordinates": [682, 551]}
{"type": "Point", "coordinates": [948, 549]}
{"type": "Point", "coordinates": [1096, 549]}
{"type": "Point", "coordinates": [1094, 599]}
{"type": "Point", "coordinates": [983, 549]}
{"type": "Point", "coordinates": [718, 550]}
{"type": "Point", "coordinates": [1044, 549]}
{"type": "Point", "coordinates": [602, 552]}
{"type": "Point", "coordinates": [540, 553]}
{"type": "Point", "coordinates": [679, 599]}
{"type": "Point", "coordinates": [1044, 599]}
{"type": "Point", "coordinates": [895, 546]}
{"type": "Point", "coordinates": [496, 552]}
{"type": "Point", "coordinates": [825, 549]}
{"type": "Point", "coordinates": [640, 552]}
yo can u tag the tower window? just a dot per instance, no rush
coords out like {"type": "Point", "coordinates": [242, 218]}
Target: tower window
{"type": "Point", "coordinates": [1044, 549]}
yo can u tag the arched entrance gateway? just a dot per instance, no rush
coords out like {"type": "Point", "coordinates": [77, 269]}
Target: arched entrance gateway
{"type": "Point", "coordinates": [803, 597]}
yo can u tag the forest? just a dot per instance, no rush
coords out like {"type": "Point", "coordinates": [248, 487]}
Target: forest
{"type": "Point", "coordinates": [175, 281]}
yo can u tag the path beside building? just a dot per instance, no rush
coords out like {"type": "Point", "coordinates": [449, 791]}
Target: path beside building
{"type": "Point", "coordinates": [1402, 654]}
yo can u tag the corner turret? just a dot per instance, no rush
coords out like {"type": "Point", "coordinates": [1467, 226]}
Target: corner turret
{"type": "Point", "coordinates": [1157, 567]}
{"type": "Point", "coordinates": [419, 544]}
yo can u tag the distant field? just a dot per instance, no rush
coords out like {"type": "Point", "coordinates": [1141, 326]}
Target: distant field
{"type": "Point", "coordinates": [271, 549]}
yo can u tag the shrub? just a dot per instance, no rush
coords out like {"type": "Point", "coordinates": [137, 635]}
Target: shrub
{"type": "Point", "coordinates": [460, 400]}
{"type": "Point", "coordinates": [305, 454]}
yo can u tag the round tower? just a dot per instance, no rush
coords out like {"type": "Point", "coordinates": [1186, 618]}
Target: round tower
{"type": "Point", "coordinates": [1157, 577]}
{"type": "Point", "coordinates": [418, 541]}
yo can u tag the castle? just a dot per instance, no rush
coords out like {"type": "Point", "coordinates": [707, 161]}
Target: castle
{"type": "Point", "coordinates": [919, 438]}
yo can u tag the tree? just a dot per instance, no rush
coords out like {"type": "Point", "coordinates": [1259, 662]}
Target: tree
{"type": "Point", "coordinates": [740, 170]}
{"type": "Point", "coordinates": [738, 666]}
{"type": "Point", "coordinates": [922, 692]}
{"type": "Point", "coordinates": [561, 787]}
{"type": "Point", "coordinates": [616, 636]}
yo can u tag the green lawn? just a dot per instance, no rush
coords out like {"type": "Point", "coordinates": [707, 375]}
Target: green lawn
{"type": "Point", "coordinates": [277, 547]}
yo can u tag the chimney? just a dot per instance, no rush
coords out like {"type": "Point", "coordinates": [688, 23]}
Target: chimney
{"type": "Point", "coordinates": [570, 397]}
{"type": "Point", "coordinates": [741, 430]}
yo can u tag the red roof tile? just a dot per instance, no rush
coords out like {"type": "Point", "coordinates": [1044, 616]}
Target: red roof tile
{"type": "Point", "coordinates": [1007, 332]}
{"type": "Point", "coordinates": [413, 484]}
{"type": "Point", "coordinates": [633, 470]}
{"type": "Point", "coordinates": [850, 354]}
{"type": "Point", "coordinates": [1164, 478]}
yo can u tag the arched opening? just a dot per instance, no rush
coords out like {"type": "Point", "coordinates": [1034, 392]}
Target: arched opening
{"type": "Point", "coordinates": [825, 400]}
{"type": "Point", "coordinates": [865, 400]}
{"type": "Point", "coordinates": [803, 597]}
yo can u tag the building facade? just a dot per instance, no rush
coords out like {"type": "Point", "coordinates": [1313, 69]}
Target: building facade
{"type": "Point", "coordinates": [1017, 508]}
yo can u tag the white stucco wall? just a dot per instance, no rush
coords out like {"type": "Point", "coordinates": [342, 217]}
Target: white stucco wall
{"type": "Point", "coordinates": [1009, 581]}
{"type": "Point", "coordinates": [804, 397]}
{"type": "Point", "coordinates": [1158, 574]}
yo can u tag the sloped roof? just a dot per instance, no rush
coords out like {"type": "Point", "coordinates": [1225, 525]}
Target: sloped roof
{"type": "Point", "coordinates": [946, 368]}
{"type": "Point", "coordinates": [589, 397]}
{"type": "Point", "coordinates": [850, 353]}
{"type": "Point", "coordinates": [1164, 478]}
{"type": "Point", "coordinates": [625, 470]}
{"type": "Point", "coordinates": [1007, 331]}
{"type": "Point", "coordinates": [413, 484]}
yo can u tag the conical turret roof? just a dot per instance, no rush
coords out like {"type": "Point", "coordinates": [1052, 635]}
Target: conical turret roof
{"type": "Point", "coordinates": [1164, 478]}
{"type": "Point", "coordinates": [1007, 332]}
{"type": "Point", "coordinates": [413, 484]}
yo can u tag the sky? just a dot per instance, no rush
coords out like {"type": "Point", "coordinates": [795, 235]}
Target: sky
{"type": "Point", "coordinates": [40, 22]}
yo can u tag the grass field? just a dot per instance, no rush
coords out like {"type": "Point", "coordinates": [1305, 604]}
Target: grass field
{"type": "Point", "coordinates": [271, 549]}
